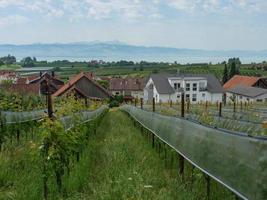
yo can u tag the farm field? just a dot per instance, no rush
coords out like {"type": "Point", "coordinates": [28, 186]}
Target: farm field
{"type": "Point", "coordinates": [123, 165]}
{"type": "Point", "coordinates": [116, 160]}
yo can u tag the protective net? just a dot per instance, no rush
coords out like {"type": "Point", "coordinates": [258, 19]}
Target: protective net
{"type": "Point", "coordinates": [81, 117]}
{"type": "Point", "coordinates": [238, 162]}
{"type": "Point", "coordinates": [8, 117]}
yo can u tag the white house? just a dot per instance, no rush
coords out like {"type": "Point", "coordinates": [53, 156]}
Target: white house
{"type": "Point", "coordinates": [196, 87]}
{"type": "Point", "coordinates": [246, 94]}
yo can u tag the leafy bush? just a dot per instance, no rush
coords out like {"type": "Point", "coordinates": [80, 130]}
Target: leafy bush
{"type": "Point", "coordinates": [114, 103]}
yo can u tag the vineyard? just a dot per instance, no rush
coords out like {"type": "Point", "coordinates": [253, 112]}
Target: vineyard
{"type": "Point", "coordinates": [91, 152]}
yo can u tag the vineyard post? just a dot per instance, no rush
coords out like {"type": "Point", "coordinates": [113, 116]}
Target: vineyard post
{"type": "Point", "coordinates": [241, 105]}
{"type": "Point", "coordinates": [234, 110]}
{"type": "Point", "coordinates": [182, 104]}
{"type": "Point", "coordinates": [187, 106]}
{"type": "Point", "coordinates": [206, 106]}
{"type": "Point", "coordinates": [220, 109]}
{"type": "Point", "coordinates": [208, 186]}
{"type": "Point", "coordinates": [141, 101]}
{"type": "Point", "coordinates": [50, 115]}
{"type": "Point", "coordinates": [153, 104]}
{"type": "Point", "coordinates": [181, 158]}
{"type": "Point", "coordinates": [171, 103]}
{"type": "Point", "coordinates": [135, 102]}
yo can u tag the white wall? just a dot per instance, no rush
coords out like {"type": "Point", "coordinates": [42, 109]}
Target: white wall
{"type": "Point", "coordinates": [242, 98]}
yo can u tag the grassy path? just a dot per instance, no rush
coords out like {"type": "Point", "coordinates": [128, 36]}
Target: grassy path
{"type": "Point", "coordinates": [123, 166]}
{"type": "Point", "coordinates": [120, 165]}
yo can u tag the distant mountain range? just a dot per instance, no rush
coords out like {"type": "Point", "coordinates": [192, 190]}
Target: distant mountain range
{"type": "Point", "coordinates": [115, 50]}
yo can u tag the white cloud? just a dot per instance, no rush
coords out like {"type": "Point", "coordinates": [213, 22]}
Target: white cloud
{"type": "Point", "coordinates": [11, 20]}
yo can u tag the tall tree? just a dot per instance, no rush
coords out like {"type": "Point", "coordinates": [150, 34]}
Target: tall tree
{"type": "Point", "coordinates": [225, 74]}
{"type": "Point", "coordinates": [232, 70]}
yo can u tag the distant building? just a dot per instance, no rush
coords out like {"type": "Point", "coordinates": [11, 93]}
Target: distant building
{"type": "Point", "coordinates": [23, 89]}
{"type": "Point", "coordinates": [8, 76]}
{"type": "Point", "coordinates": [83, 86]}
{"type": "Point", "coordinates": [251, 81]}
{"type": "Point", "coordinates": [246, 94]}
{"type": "Point", "coordinates": [129, 87]}
{"type": "Point", "coordinates": [246, 89]}
{"type": "Point", "coordinates": [196, 87]}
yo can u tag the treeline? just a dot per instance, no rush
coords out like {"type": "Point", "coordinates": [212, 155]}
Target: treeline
{"type": "Point", "coordinates": [231, 68]}
{"type": "Point", "coordinates": [7, 60]}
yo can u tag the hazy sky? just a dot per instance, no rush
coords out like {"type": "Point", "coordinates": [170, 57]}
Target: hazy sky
{"type": "Point", "coordinates": [202, 24]}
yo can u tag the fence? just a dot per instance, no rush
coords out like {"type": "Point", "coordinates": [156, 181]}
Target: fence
{"type": "Point", "coordinates": [238, 162]}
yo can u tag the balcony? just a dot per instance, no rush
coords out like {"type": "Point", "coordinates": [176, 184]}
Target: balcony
{"type": "Point", "coordinates": [202, 89]}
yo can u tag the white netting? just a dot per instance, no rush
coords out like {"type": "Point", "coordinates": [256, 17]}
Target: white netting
{"type": "Point", "coordinates": [238, 162]}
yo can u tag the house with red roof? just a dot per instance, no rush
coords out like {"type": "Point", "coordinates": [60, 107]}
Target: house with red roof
{"type": "Point", "coordinates": [84, 86]}
{"type": "Point", "coordinates": [246, 89]}
{"type": "Point", "coordinates": [129, 87]}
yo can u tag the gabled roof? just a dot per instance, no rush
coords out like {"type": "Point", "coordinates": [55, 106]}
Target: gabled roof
{"type": "Point", "coordinates": [35, 79]}
{"type": "Point", "coordinates": [22, 88]}
{"type": "Point", "coordinates": [69, 85]}
{"type": "Point", "coordinates": [247, 91]}
{"type": "Point", "coordinates": [163, 86]}
{"type": "Point", "coordinates": [129, 83]}
{"type": "Point", "coordinates": [241, 80]}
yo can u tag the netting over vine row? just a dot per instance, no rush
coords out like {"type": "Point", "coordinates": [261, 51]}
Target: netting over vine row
{"type": "Point", "coordinates": [238, 162]}
{"type": "Point", "coordinates": [8, 117]}
{"type": "Point", "coordinates": [81, 117]}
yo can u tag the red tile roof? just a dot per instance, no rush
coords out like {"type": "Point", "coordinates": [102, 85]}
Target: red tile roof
{"type": "Point", "coordinates": [22, 88]}
{"type": "Point", "coordinates": [131, 84]}
{"type": "Point", "coordinates": [72, 82]}
{"type": "Point", "coordinates": [241, 80]}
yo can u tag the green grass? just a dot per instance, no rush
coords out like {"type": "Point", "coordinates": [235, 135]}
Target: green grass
{"type": "Point", "coordinates": [10, 67]}
{"type": "Point", "coordinates": [121, 164]}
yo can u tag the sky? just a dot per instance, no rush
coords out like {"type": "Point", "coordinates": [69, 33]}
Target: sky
{"type": "Point", "coordinates": [195, 24]}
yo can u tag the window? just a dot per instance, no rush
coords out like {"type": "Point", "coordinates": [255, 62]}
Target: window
{"type": "Point", "coordinates": [117, 93]}
{"type": "Point", "coordinates": [187, 97]}
{"type": "Point", "coordinates": [194, 97]}
{"type": "Point", "coordinates": [194, 87]}
{"type": "Point", "coordinates": [203, 94]}
{"type": "Point", "coordinates": [240, 97]}
{"type": "Point", "coordinates": [187, 87]}
{"type": "Point", "coordinates": [259, 100]}
{"type": "Point", "coordinates": [177, 86]}
{"type": "Point", "coordinates": [178, 96]}
{"type": "Point", "coordinates": [202, 86]}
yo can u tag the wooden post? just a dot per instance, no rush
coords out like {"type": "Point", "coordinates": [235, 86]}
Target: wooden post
{"type": "Point", "coordinates": [171, 103]}
{"type": "Point", "coordinates": [153, 140]}
{"type": "Point", "coordinates": [220, 109]}
{"type": "Point", "coordinates": [234, 110]}
{"type": "Point", "coordinates": [187, 106]}
{"type": "Point", "coordinates": [153, 104]}
{"type": "Point", "coordinates": [182, 105]}
{"type": "Point", "coordinates": [181, 166]}
{"type": "Point", "coordinates": [241, 105]}
{"type": "Point", "coordinates": [141, 101]}
{"type": "Point", "coordinates": [18, 135]}
{"type": "Point", "coordinates": [135, 102]}
{"type": "Point", "coordinates": [49, 100]}
{"type": "Point", "coordinates": [206, 106]}
{"type": "Point", "coordinates": [208, 186]}
{"type": "Point", "coordinates": [86, 102]}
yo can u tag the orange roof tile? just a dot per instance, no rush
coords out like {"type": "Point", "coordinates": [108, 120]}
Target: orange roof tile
{"type": "Point", "coordinates": [71, 83]}
{"type": "Point", "coordinates": [240, 80]}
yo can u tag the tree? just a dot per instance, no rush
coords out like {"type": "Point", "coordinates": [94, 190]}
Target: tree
{"type": "Point", "coordinates": [232, 70]}
{"type": "Point", "coordinates": [8, 60]}
{"type": "Point", "coordinates": [225, 74]}
{"type": "Point", "coordinates": [27, 62]}
{"type": "Point", "coordinates": [1, 62]}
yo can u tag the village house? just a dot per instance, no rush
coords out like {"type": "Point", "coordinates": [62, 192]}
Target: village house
{"type": "Point", "coordinates": [8, 76]}
{"type": "Point", "coordinates": [196, 88]}
{"type": "Point", "coordinates": [83, 86]}
{"type": "Point", "coordinates": [129, 87]}
{"type": "Point", "coordinates": [246, 89]}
